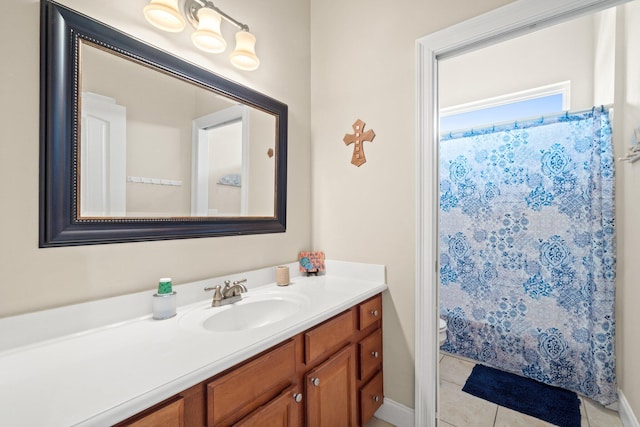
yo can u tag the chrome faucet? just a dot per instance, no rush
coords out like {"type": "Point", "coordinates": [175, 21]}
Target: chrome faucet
{"type": "Point", "coordinates": [235, 289]}
{"type": "Point", "coordinates": [232, 292]}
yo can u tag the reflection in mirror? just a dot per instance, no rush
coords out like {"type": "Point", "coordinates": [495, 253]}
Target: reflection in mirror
{"type": "Point", "coordinates": [156, 146]}
{"type": "Point", "coordinates": [137, 144]}
{"type": "Point", "coordinates": [218, 141]}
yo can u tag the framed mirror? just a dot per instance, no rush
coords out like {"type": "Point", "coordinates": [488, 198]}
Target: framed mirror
{"type": "Point", "coordinates": [137, 144]}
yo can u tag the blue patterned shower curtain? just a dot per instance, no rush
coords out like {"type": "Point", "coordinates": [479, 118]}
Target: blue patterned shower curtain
{"type": "Point", "coordinates": [527, 249]}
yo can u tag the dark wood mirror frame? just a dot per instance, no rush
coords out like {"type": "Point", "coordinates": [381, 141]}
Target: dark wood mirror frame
{"type": "Point", "coordinates": [61, 31]}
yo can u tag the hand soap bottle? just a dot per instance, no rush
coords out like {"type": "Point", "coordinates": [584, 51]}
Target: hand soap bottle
{"type": "Point", "coordinates": [164, 302]}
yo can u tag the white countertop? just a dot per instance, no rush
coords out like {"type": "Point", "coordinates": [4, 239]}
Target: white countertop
{"type": "Point", "coordinates": [105, 374]}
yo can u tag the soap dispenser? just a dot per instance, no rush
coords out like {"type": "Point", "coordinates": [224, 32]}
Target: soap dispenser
{"type": "Point", "coordinates": [164, 301]}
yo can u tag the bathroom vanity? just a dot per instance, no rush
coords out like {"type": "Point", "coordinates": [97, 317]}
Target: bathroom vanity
{"type": "Point", "coordinates": [315, 359]}
{"type": "Point", "coordinates": [328, 375]}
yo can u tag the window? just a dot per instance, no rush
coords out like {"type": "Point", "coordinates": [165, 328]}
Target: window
{"type": "Point", "coordinates": [506, 108]}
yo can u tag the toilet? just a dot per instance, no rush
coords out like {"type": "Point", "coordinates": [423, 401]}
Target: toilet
{"type": "Point", "coordinates": [442, 331]}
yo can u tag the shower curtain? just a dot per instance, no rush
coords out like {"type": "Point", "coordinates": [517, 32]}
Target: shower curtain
{"type": "Point", "coordinates": [527, 249]}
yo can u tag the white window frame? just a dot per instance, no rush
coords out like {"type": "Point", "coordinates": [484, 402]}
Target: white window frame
{"type": "Point", "coordinates": [561, 88]}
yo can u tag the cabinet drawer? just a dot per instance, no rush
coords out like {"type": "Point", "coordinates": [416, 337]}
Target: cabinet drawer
{"type": "Point", "coordinates": [169, 415]}
{"type": "Point", "coordinates": [251, 385]}
{"type": "Point", "coordinates": [328, 337]}
{"type": "Point", "coordinates": [371, 396]}
{"type": "Point", "coordinates": [370, 354]}
{"type": "Point", "coordinates": [370, 311]}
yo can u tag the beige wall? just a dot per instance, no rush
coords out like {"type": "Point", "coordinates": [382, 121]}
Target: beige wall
{"type": "Point", "coordinates": [363, 66]}
{"type": "Point", "coordinates": [524, 63]}
{"type": "Point", "coordinates": [33, 278]}
{"type": "Point", "coordinates": [261, 167]}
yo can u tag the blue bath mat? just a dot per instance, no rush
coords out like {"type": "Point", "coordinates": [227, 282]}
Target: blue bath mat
{"type": "Point", "coordinates": [554, 405]}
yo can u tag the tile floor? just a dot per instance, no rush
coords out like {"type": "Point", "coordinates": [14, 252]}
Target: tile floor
{"type": "Point", "coordinates": [376, 422]}
{"type": "Point", "coordinates": [460, 409]}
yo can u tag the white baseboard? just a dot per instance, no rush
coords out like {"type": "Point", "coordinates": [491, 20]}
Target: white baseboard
{"type": "Point", "coordinates": [396, 414]}
{"type": "Point", "coordinates": [626, 413]}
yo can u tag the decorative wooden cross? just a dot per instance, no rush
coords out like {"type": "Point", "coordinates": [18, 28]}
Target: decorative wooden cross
{"type": "Point", "coordinates": [357, 138]}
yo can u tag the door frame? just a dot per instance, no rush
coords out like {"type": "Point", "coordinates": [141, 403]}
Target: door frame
{"type": "Point", "coordinates": [103, 143]}
{"type": "Point", "coordinates": [200, 157]}
{"type": "Point", "coordinates": [512, 20]}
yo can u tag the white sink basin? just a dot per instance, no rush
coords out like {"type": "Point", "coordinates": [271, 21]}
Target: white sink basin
{"type": "Point", "coordinates": [253, 311]}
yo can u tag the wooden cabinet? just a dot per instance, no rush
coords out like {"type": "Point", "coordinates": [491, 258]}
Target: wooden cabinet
{"type": "Point", "coordinates": [331, 391]}
{"type": "Point", "coordinates": [371, 397]}
{"type": "Point", "coordinates": [327, 376]}
{"type": "Point", "coordinates": [325, 339]}
{"type": "Point", "coordinates": [370, 312]}
{"type": "Point", "coordinates": [370, 384]}
{"type": "Point", "coordinates": [169, 414]}
{"type": "Point", "coordinates": [283, 411]}
{"type": "Point", "coordinates": [251, 385]}
{"type": "Point", "coordinates": [370, 349]}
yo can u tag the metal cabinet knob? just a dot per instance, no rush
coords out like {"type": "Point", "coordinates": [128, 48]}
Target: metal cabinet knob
{"type": "Point", "coordinates": [315, 381]}
{"type": "Point", "coordinates": [375, 354]}
{"type": "Point", "coordinates": [374, 313]}
{"type": "Point", "coordinates": [376, 399]}
{"type": "Point", "coordinates": [297, 397]}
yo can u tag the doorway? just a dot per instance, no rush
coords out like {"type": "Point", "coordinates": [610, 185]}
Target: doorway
{"type": "Point", "coordinates": [505, 23]}
{"type": "Point", "coordinates": [220, 164]}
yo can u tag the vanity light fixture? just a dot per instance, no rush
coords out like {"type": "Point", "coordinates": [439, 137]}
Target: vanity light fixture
{"type": "Point", "coordinates": [164, 14]}
{"type": "Point", "coordinates": [206, 18]}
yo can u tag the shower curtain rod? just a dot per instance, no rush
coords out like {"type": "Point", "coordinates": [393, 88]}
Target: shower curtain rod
{"type": "Point", "coordinates": [533, 119]}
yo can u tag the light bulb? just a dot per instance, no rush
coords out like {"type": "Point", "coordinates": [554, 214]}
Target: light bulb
{"type": "Point", "coordinates": [244, 56]}
{"type": "Point", "coordinates": [164, 14]}
{"type": "Point", "coordinates": [207, 37]}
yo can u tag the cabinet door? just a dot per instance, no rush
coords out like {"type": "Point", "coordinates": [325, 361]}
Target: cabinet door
{"type": "Point", "coordinates": [331, 391]}
{"type": "Point", "coordinates": [283, 411]}
{"type": "Point", "coordinates": [170, 415]}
